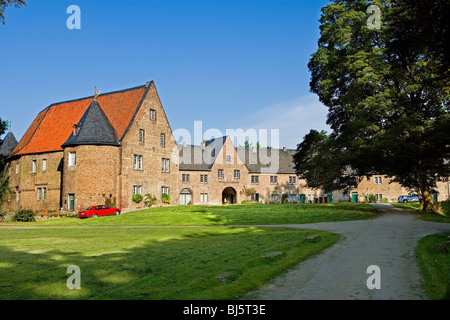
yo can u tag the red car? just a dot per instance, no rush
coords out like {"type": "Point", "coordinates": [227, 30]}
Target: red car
{"type": "Point", "coordinates": [98, 211]}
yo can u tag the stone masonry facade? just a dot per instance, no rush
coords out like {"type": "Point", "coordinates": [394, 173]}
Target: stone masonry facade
{"type": "Point", "coordinates": [64, 163]}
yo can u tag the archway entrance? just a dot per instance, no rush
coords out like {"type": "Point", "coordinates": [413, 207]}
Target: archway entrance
{"type": "Point", "coordinates": [185, 196]}
{"type": "Point", "coordinates": [229, 195]}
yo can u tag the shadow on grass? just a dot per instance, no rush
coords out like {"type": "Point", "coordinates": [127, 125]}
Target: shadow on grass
{"type": "Point", "coordinates": [174, 264]}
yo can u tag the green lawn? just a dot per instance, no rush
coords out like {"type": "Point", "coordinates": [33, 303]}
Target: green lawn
{"type": "Point", "coordinates": [149, 263]}
{"type": "Point", "coordinates": [427, 216]}
{"type": "Point", "coordinates": [254, 214]}
{"type": "Point", "coordinates": [433, 253]}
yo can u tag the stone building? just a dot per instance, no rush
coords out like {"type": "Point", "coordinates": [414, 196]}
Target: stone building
{"type": "Point", "coordinates": [112, 146]}
{"type": "Point", "coordinates": [81, 152]}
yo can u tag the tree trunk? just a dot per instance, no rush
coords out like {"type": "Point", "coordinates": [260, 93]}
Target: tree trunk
{"type": "Point", "coordinates": [424, 187]}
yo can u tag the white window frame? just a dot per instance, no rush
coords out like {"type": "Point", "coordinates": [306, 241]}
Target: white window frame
{"type": "Point", "coordinates": [44, 165]}
{"type": "Point", "coordinates": [237, 174]}
{"type": "Point", "coordinates": [292, 179]}
{"type": "Point", "coordinates": [41, 193]}
{"type": "Point", "coordinates": [72, 161]}
{"type": "Point", "coordinates": [165, 190]}
{"type": "Point", "coordinates": [162, 139]}
{"type": "Point", "coordinates": [165, 165]}
{"type": "Point", "coordinates": [273, 179]}
{"type": "Point", "coordinates": [153, 114]}
{"type": "Point", "coordinates": [33, 166]}
{"type": "Point", "coordinates": [203, 197]}
{"type": "Point", "coordinates": [203, 178]}
{"type": "Point", "coordinates": [141, 135]}
{"type": "Point", "coordinates": [220, 173]}
{"type": "Point", "coordinates": [138, 162]}
{"type": "Point", "coordinates": [137, 189]}
{"type": "Point", "coordinates": [254, 179]}
{"type": "Point", "coordinates": [228, 158]}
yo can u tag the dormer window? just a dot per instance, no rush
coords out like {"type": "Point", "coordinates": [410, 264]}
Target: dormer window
{"type": "Point", "coordinates": [228, 159]}
{"type": "Point", "coordinates": [76, 129]}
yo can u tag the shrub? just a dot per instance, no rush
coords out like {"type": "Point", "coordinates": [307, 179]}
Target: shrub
{"type": "Point", "coordinates": [137, 198]}
{"type": "Point", "coordinates": [166, 198]}
{"type": "Point", "coordinates": [25, 215]}
{"type": "Point", "coordinates": [372, 198]}
{"type": "Point", "coordinates": [111, 202]}
{"type": "Point", "coordinates": [10, 217]}
{"type": "Point", "coordinates": [149, 200]}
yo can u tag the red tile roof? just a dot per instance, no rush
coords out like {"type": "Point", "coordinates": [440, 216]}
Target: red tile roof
{"type": "Point", "coordinates": [53, 126]}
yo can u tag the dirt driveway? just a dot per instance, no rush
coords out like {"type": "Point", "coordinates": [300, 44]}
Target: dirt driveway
{"type": "Point", "coordinates": [340, 272]}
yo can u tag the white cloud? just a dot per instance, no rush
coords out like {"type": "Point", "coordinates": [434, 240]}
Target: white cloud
{"type": "Point", "coordinates": [293, 119]}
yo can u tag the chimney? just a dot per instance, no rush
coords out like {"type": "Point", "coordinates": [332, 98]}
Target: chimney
{"type": "Point", "coordinates": [75, 129]}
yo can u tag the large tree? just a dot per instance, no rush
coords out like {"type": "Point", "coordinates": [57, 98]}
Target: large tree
{"type": "Point", "coordinates": [387, 91]}
{"type": "Point", "coordinates": [4, 189]}
{"type": "Point", "coordinates": [7, 3]}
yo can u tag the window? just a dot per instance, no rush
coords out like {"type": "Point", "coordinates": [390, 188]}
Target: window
{"type": "Point", "coordinates": [141, 135]}
{"type": "Point", "coordinates": [378, 180]}
{"type": "Point", "coordinates": [228, 159]}
{"type": "Point", "coordinates": [165, 165]}
{"type": "Point", "coordinates": [41, 193]}
{"type": "Point", "coordinates": [33, 165]}
{"type": "Point", "coordinates": [185, 177]}
{"type": "Point", "coordinates": [237, 174]}
{"type": "Point", "coordinates": [292, 180]}
{"type": "Point", "coordinates": [137, 162]}
{"type": "Point", "coordinates": [152, 114]}
{"type": "Point", "coordinates": [72, 159]}
{"type": "Point", "coordinates": [137, 190]}
{"type": "Point", "coordinates": [273, 180]}
{"type": "Point", "coordinates": [44, 164]}
{"type": "Point", "coordinates": [203, 178]}
{"type": "Point", "coordinates": [165, 190]}
{"type": "Point", "coordinates": [255, 179]}
{"type": "Point", "coordinates": [163, 139]}
{"type": "Point", "coordinates": [255, 197]}
{"type": "Point", "coordinates": [220, 173]}
{"type": "Point", "coordinates": [274, 197]}
{"type": "Point", "coordinates": [379, 196]}
{"type": "Point", "coordinates": [203, 197]}
{"type": "Point", "coordinates": [293, 197]}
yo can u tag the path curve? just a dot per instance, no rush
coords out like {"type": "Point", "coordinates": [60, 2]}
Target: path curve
{"type": "Point", "coordinates": [340, 272]}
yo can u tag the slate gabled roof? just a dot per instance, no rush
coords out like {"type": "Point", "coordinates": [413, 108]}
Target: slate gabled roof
{"type": "Point", "coordinates": [8, 145]}
{"type": "Point", "coordinates": [196, 158]}
{"type": "Point", "coordinates": [94, 128]}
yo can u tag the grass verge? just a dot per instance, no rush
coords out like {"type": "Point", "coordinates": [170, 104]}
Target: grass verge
{"type": "Point", "coordinates": [253, 214]}
{"type": "Point", "coordinates": [428, 216]}
{"type": "Point", "coordinates": [433, 253]}
{"type": "Point", "coordinates": [149, 263]}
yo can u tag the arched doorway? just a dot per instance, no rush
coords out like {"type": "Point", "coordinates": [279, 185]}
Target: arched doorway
{"type": "Point", "coordinates": [185, 196]}
{"type": "Point", "coordinates": [229, 195]}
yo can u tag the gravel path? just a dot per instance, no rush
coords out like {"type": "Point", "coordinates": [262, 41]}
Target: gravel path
{"type": "Point", "coordinates": [340, 272]}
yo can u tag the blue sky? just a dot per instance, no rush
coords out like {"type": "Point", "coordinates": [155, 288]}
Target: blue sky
{"type": "Point", "coordinates": [232, 64]}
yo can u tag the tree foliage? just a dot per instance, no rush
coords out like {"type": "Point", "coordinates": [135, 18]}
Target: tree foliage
{"type": "Point", "coordinates": [7, 3]}
{"type": "Point", "coordinates": [387, 93]}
